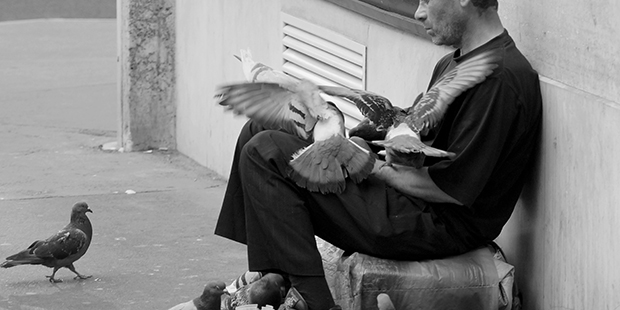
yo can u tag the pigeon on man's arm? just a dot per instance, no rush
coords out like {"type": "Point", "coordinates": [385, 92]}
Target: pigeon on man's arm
{"type": "Point", "coordinates": [403, 128]}
{"type": "Point", "coordinates": [61, 249]}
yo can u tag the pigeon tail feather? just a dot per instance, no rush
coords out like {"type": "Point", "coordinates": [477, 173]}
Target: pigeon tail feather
{"type": "Point", "coordinates": [25, 257]}
{"type": "Point", "coordinates": [310, 168]}
{"type": "Point", "coordinates": [358, 161]}
{"type": "Point", "coordinates": [324, 165]}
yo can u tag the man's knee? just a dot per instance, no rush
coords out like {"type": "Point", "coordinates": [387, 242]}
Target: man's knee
{"type": "Point", "coordinates": [260, 146]}
{"type": "Point", "coordinates": [274, 141]}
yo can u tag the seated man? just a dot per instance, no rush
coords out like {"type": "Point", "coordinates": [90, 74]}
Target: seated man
{"type": "Point", "coordinates": [448, 207]}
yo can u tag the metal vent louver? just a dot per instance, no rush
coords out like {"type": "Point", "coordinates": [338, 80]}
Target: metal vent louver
{"type": "Point", "coordinates": [325, 58]}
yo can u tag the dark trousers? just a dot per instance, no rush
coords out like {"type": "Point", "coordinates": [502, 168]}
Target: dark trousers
{"type": "Point", "coordinates": [278, 220]}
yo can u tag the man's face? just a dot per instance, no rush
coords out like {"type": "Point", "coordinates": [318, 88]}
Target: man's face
{"type": "Point", "coordinates": [444, 21]}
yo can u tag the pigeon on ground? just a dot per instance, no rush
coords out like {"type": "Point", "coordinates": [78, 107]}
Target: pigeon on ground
{"type": "Point", "coordinates": [298, 108]}
{"type": "Point", "coordinates": [61, 249]}
{"type": "Point", "coordinates": [403, 127]}
{"type": "Point", "coordinates": [384, 302]}
{"type": "Point", "coordinates": [209, 300]}
{"type": "Point", "coordinates": [269, 290]}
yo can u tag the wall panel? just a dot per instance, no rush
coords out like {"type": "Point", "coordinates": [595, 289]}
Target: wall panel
{"type": "Point", "coordinates": [563, 237]}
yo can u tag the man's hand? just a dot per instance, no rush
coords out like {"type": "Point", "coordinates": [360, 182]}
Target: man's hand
{"type": "Point", "coordinates": [411, 181]}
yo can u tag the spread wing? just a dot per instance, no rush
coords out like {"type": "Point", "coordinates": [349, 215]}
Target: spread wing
{"type": "Point", "coordinates": [434, 103]}
{"type": "Point", "coordinates": [376, 108]}
{"type": "Point", "coordinates": [273, 105]}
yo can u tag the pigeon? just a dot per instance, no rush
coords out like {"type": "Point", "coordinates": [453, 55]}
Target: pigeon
{"type": "Point", "coordinates": [61, 249]}
{"type": "Point", "coordinates": [297, 107]}
{"type": "Point", "coordinates": [384, 302]}
{"type": "Point", "coordinates": [243, 280]}
{"type": "Point", "coordinates": [256, 72]}
{"type": "Point", "coordinates": [268, 290]}
{"type": "Point", "coordinates": [259, 72]}
{"type": "Point", "coordinates": [209, 300]}
{"type": "Point", "coordinates": [403, 127]}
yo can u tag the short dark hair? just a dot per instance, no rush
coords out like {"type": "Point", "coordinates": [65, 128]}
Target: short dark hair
{"type": "Point", "coordinates": [485, 4]}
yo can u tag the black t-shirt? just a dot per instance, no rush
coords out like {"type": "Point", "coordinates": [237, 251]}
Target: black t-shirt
{"type": "Point", "coordinates": [493, 128]}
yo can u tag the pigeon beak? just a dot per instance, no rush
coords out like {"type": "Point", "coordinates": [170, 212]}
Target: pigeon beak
{"type": "Point", "coordinates": [89, 210]}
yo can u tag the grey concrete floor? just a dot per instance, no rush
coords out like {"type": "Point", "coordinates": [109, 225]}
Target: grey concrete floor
{"type": "Point", "coordinates": [150, 250]}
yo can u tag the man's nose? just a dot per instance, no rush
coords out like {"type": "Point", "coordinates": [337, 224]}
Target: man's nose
{"type": "Point", "coordinates": [420, 13]}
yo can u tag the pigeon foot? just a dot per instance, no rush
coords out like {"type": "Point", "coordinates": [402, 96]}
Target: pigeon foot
{"type": "Point", "coordinates": [81, 277]}
{"type": "Point", "coordinates": [53, 280]}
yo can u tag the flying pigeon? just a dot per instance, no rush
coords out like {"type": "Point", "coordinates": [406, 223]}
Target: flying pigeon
{"type": "Point", "coordinates": [209, 300]}
{"type": "Point", "coordinates": [61, 249]}
{"type": "Point", "coordinates": [259, 72]}
{"type": "Point", "coordinates": [403, 127]}
{"type": "Point", "coordinates": [384, 302]}
{"type": "Point", "coordinates": [297, 107]}
{"type": "Point", "coordinates": [297, 122]}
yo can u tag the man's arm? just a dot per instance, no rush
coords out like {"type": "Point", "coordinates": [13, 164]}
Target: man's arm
{"type": "Point", "coordinates": [412, 181]}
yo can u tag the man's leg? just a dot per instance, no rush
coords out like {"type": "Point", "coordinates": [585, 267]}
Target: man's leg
{"type": "Point", "coordinates": [280, 234]}
{"type": "Point", "coordinates": [231, 221]}
{"type": "Point", "coordinates": [282, 218]}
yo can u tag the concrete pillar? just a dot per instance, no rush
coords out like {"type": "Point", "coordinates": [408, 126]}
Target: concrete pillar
{"type": "Point", "coordinates": [146, 46]}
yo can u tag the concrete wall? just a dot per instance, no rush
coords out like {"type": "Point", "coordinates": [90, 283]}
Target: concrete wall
{"type": "Point", "coordinates": [563, 235]}
{"type": "Point", "coordinates": [146, 52]}
{"type": "Point", "coordinates": [31, 9]}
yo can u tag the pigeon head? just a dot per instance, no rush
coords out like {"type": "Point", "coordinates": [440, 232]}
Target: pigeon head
{"type": "Point", "coordinates": [78, 213]}
{"type": "Point", "coordinates": [81, 207]}
{"type": "Point", "coordinates": [210, 298]}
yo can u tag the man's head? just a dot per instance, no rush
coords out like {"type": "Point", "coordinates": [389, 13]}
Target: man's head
{"type": "Point", "coordinates": [451, 22]}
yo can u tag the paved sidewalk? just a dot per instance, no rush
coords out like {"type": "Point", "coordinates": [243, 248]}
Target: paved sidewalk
{"type": "Point", "coordinates": [150, 250]}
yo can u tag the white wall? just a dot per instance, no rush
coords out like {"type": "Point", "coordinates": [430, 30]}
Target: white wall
{"type": "Point", "coordinates": [208, 34]}
{"type": "Point", "coordinates": [563, 235]}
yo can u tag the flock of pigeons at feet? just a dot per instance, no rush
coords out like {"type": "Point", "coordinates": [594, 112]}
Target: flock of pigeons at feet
{"type": "Point", "coordinates": [215, 294]}
{"type": "Point", "coordinates": [281, 102]}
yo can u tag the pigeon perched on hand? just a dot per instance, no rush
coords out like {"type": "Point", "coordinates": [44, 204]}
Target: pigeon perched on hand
{"type": "Point", "coordinates": [297, 107]}
{"type": "Point", "coordinates": [61, 249]}
{"type": "Point", "coordinates": [209, 300]}
{"type": "Point", "coordinates": [403, 127]}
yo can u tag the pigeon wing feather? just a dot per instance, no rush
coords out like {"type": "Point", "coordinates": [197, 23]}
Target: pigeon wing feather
{"type": "Point", "coordinates": [434, 103]}
{"type": "Point", "coordinates": [62, 245]}
{"type": "Point", "coordinates": [376, 108]}
{"type": "Point", "coordinates": [271, 104]}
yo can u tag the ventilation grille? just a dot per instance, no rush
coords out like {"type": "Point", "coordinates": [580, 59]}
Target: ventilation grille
{"type": "Point", "coordinates": [325, 58]}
